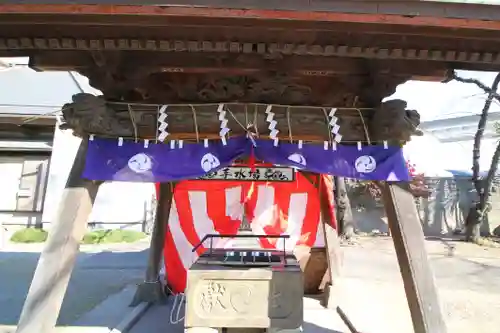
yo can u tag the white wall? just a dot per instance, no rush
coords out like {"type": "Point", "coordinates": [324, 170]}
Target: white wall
{"type": "Point", "coordinates": [117, 205]}
{"type": "Point", "coordinates": [432, 156]}
{"type": "Point", "coordinates": [64, 150]}
{"type": "Point", "coordinates": [488, 147]}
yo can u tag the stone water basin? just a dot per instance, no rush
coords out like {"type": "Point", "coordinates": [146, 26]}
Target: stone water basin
{"type": "Point", "coordinates": [244, 289]}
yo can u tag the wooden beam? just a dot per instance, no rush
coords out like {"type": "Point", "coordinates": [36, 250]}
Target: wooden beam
{"type": "Point", "coordinates": [408, 237]}
{"type": "Point", "coordinates": [151, 290]}
{"type": "Point", "coordinates": [304, 15]}
{"type": "Point", "coordinates": [137, 64]}
{"type": "Point", "coordinates": [53, 271]}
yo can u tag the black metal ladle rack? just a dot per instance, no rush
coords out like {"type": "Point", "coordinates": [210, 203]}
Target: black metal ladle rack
{"type": "Point", "coordinates": [238, 257]}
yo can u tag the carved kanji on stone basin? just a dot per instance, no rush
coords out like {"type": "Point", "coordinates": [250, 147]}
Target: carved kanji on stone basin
{"type": "Point", "coordinates": [244, 296]}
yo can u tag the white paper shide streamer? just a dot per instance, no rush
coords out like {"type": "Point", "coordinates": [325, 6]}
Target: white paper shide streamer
{"type": "Point", "coordinates": [223, 124]}
{"type": "Point", "coordinates": [273, 132]}
{"type": "Point", "coordinates": [162, 124]}
{"type": "Point", "coordinates": [334, 127]}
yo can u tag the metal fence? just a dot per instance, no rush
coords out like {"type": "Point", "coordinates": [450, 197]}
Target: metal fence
{"type": "Point", "coordinates": [443, 212]}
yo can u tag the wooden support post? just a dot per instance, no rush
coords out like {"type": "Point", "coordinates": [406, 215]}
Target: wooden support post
{"type": "Point", "coordinates": [53, 271]}
{"type": "Point", "coordinates": [332, 244]}
{"type": "Point", "coordinates": [330, 280]}
{"type": "Point", "coordinates": [151, 290]}
{"type": "Point", "coordinates": [409, 242]}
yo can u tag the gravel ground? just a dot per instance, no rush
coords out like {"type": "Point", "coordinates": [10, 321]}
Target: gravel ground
{"type": "Point", "coordinates": [468, 286]}
{"type": "Point", "coordinates": [373, 295]}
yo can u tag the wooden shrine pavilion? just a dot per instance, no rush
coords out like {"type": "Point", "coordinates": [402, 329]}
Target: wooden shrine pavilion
{"type": "Point", "coordinates": [301, 56]}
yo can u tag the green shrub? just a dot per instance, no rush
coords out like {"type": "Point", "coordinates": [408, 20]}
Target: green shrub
{"type": "Point", "coordinates": [29, 235]}
{"type": "Point", "coordinates": [112, 236]}
{"type": "Point", "coordinates": [32, 235]}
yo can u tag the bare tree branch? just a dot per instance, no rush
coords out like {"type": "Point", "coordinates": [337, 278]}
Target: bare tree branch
{"type": "Point", "coordinates": [491, 174]}
{"type": "Point", "coordinates": [478, 83]}
{"type": "Point", "coordinates": [492, 96]}
{"type": "Point", "coordinates": [479, 136]}
{"type": "Point", "coordinates": [478, 211]}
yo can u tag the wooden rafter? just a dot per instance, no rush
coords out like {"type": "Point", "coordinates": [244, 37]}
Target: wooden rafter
{"type": "Point", "coordinates": [463, 57]}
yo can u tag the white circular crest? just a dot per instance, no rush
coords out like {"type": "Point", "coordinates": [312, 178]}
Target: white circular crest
{"type": "Point", "coordinates": [365, 164]}
{"type": "Point", "coordinates": [209, 162]}
{"type": "Point", "coordinates": [298, 158]}
{"type": "Point", "coordinates": [140, 163]}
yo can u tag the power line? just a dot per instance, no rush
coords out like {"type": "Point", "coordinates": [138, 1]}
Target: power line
{"type": "Point", "coordinates": [29, 105]}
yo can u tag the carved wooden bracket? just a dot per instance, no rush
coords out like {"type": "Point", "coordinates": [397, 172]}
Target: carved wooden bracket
{"type": "Point", "coordinates": [89, 114]}
{"type": "Point", "coordinates": [203, 77]}
{"type": "Point", "coordinates": [392, 121]}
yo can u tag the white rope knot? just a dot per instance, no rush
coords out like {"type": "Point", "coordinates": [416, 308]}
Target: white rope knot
{"type": "Point", "coordinates": [251, 134]}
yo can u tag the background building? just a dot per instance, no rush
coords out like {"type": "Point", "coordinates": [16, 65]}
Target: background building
{"type": "Point", "coordinates": [35, 156]}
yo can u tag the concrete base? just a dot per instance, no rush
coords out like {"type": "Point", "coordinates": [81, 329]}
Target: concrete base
{"type": "Point", "coordinates": [201, 330]}
{"type": "Point", "coordinates": [316, 319]}
{"type": "Point", "coordinates": [131, 318]}
{"type": "Point", "coordinates": [230, 330]}
{"type": "Point", "coordinates": [328, 299]}
{"type": "Point", "coordinates": [111, 313]}
{"type": "Point", "coordinates": [149, 292]}
{"type": "Point", "coordinates": [277, 330]}
{"type": "Point", "coordinates": [244, 330]}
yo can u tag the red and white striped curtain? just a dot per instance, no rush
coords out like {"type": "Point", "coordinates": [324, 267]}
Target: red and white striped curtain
{"type": "Point", "coordinates": [203, 207]}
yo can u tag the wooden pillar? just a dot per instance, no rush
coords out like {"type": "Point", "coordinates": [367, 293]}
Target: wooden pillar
{"type": "Point", "coordinates": [409, 243]}
{"type": "Point", "coordinates": [53, 271]}
{"type": "Point", "coordinates": [151, 290]}
{"type": "Point", "coordinates": [333, 253]}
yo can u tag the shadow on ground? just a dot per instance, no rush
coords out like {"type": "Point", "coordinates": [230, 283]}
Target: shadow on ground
{"type": "Point", "coordinates": [95, 277]}
{"type": "Point", "coordinates": [156, 319]}
{"type": "Point", "coordinates": [308, 327]}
